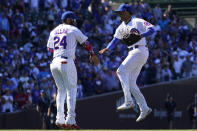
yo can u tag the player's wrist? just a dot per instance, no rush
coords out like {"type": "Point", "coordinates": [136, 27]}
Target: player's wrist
{"type": "Point", "coordinates": [108, 49]}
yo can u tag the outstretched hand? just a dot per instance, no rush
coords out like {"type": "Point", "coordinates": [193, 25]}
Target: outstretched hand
{"type": "Point", "coordinates": [94, 59]}
{"type": "Point", "coordinates": [105, 50]}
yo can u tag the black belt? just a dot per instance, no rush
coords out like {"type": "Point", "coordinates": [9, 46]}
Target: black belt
{"type": "Point", "coordinates": [136, 46]}
{"type": "Point", "coordinates": [61, 57]}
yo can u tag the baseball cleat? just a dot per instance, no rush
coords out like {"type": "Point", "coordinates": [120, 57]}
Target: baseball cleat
{"type": "Point", "coordinates": [62, 126]}
{"type": "Point", "coordinates": [125, 106]}
{"type": "Point", "coordinates": [73, 126]}
{"type": "Point", "coordinates": [143, 115]}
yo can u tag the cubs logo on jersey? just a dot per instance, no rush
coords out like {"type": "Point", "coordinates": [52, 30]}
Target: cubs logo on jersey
{"type": "Point", "coordinates": [146, 23]}
{"type": "Point", "coordinates": [134, 31]}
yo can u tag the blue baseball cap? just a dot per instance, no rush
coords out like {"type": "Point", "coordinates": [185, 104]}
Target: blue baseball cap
{"type": "Point", "coordinates": [68, 14]}
{"type": "Point", "coordinates": [124, 7]}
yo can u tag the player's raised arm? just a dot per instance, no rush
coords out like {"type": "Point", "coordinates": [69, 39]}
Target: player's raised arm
{"type": "Point", "coordinates": [110, 46]}
{"type": "Point", "coordinates": [146, 26]}
{"type": "Point", "coordinates": [149, 31]}
{"type": "Point", "coordinates": [116, 39]}
{"type": "Point", "coordinates": [82, 39]}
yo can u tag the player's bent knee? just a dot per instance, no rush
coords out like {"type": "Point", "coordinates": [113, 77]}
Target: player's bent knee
{"type": "Point", "coordinates": [120, 71]}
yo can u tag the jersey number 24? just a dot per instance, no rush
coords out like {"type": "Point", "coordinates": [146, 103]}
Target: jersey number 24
{"type": "Point", "coordinates": [60, 43]}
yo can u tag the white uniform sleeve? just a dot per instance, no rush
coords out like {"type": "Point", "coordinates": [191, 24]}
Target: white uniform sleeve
{"type": "Point", "coordinates": [80, 37]}
{"type": "Point", "coordinates": [119, 32]}
{"type": "Point", "coordinates": [50, 43]}
{"type": "Point", "coordinates": [142, 25]}
{"type": "Point", "coordinates": [11, 98]}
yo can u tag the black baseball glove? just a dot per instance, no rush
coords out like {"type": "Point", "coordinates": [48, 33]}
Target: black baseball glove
{"type": "Point", "coordinates": [130, 39]}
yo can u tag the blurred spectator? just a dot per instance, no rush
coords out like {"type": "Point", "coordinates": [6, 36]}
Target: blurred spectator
{"type": "Point", "coordinates": [99, 85]}
{"type": "Point", "coordinates": [170, 106]}
{"type": "Point", "coordinates": [21, 98]}
{"type": "Point", "coordinates": [52, 111]}
{"type": "Point", "coordinates": [187, 67]}
{"type": "Point", "coordinates": [29, 97]}
{"type": "Point", "coordinates": [64, 4]}
{"type": "Point", "coordinates": [192, 112]}
{"type": "Point", "coordinates": [34, 5]}
{"type": "Point", "coordinates": [8, 85]}
{"type": "Point", "coordinates": [169, 12]}
{"type": "Point", "coordinates": [35, 94]}
{"type": "Point", "coordinates": [166, 73]}
{"type": "Point", "coordinates": [7, 104]}
{"type": "Point", "coordinates": [163, 22]}
{"type": "Point", "coordinates": [4, 23]}
{"type": "Point", "coordinates": [79, 89]}
{"type": "Point", "coordinates": [157, 11]}
{"type": "Point", "coordinates": [193, 44]}
{"type": "Point", "coordinates": [42, 108]}
{"type": "Point", "coordinates": [110, 80]}
{"type": "Point", "coordinates": [151, 73]}
{"type": "Point", "coordinates": [177, 65]}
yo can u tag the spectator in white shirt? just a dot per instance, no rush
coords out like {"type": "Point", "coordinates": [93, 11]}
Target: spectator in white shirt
{"type": "Point", "coordinates": [166, 73]}
{"type": "Point", "coordinates": [177, 65]}
{"type": "Point", "coordinates": [8, 102]}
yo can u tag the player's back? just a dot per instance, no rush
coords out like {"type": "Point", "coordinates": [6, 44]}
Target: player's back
{"type": "Point", "coordinates": [63, 39]}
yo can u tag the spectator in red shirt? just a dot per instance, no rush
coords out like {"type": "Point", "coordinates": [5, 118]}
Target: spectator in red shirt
{"type": "Point", "coordinates": [21, 98]}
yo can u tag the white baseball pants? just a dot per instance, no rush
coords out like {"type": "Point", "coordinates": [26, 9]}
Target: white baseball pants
{"type": "Point", "coordinates": [128, 73]}
{"type": "Point", "coordinates": [65, 76]}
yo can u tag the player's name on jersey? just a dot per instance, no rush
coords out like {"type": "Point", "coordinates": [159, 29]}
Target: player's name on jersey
{"type": "Point", "coordinates": [61, 31]}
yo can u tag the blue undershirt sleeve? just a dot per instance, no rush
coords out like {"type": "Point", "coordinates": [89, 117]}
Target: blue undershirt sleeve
{"type": "Point", "coordinates": [113, 43]}
{"type": "Point", "coordinates": [148, 33]}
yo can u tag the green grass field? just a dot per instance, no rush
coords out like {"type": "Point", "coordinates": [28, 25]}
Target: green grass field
{"type": "Point", "coordinates": [101, 130]}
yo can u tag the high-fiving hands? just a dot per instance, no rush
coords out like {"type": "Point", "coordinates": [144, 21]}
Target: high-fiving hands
{"type": "Point", "coordinates": [94, 59]}
{"type": "Point", "coordinates": [105, 50]}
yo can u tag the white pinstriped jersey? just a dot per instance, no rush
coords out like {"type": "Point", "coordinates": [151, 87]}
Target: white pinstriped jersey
{"type": "Point", "coordinates": [136, 25]}
{"type": "Point", "coordinates": [63, 39]}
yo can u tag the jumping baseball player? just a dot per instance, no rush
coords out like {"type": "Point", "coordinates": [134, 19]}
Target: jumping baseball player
{"type": "Point", "coordinates": [62, 42]}
{"type": "Point", "coordinates": [132, 31]}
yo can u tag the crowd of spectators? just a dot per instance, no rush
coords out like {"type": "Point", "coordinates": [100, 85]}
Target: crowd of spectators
{"type": "Point", "coordinates": [24, 60]}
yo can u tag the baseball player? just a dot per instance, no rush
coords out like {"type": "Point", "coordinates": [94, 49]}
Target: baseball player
{"type": "Point", "coordinates": [133, 32]}
{"type": "Point", "coordinates": [62, 42]}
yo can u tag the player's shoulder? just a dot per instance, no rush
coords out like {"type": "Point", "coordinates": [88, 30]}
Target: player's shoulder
{"type": "Point", "coordinates": [64, 26]}
{"type": "Point", "coordinates": [137, 19]}
{"type": "Point", "coordinates": [74, 28]}
{"type": "Point", "coordinates": [120, 26]}
{"type": "Point", "coordinates": [55, 28]}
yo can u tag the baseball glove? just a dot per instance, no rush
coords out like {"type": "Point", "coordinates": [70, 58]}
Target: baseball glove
{"type": "Point", "coordinates": [130, 39]}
